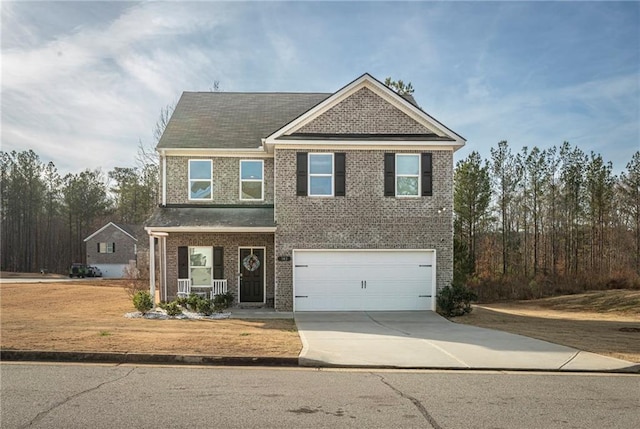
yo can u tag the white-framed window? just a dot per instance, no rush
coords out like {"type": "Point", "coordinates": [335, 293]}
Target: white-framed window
{"type": "Point", "coordinates": [320, 175]}
{"type": "Point", "coordinates": [200, 179]}
{"type": "Point", "coordinates": [201, 266]}
{"type": "Point", "coordinates": [106, 247]}
{"type": "Point", "coordinates": [251, 179]}
{"type": "Point", "coordinates": [407, 175]}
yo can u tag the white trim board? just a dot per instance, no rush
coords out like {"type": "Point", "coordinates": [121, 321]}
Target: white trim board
{"type": "Point", "coordinates": [386, 93]}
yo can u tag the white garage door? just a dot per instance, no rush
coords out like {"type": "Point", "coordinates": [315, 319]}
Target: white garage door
{"type": "Point", "coordinates": [114, 271]}
{"type": "Point", "coordinates": [363, 280]}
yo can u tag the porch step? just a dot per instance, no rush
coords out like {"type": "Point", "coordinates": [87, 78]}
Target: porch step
{"type": "Point", "coordinates": [251, 305]}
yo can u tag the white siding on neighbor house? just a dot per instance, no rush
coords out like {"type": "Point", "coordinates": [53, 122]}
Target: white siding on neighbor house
{"type": "Point", "coordinates": [364, 280]}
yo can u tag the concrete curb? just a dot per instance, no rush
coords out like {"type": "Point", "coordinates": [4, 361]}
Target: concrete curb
{"type": "Point", "coordinates": [143, 358]}
{"type": "Point", "coordinates": [315, 363]}
{"type": "Point", "coordinates": [168, 359]}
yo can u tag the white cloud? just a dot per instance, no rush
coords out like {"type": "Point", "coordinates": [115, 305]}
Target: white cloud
{"type": "Point", "coordinates": [92, 92]}
{"type": "Point", "coordinates": [83, 82]}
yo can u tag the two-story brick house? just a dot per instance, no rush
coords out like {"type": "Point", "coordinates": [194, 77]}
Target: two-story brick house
{"type": "Point", "coordinates": [307, 201]}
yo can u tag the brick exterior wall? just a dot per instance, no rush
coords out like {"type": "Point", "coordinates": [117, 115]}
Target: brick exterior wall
{"type": "Point", "coordinates": [364, 218]}
{"type": "Point", "coordinates": [226, 180]}
{"type": "Point", "coordinates": [125, 247]}
{"type": "Point", "coordinates": [364, 113]}
{"type": "Point", "coordinates": [230, 243]}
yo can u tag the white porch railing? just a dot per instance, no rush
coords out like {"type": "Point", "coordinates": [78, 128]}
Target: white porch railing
{"type": "Point", "coordinates": [219, 286]}
{"type": "Point", "coordinates": [184, 288]}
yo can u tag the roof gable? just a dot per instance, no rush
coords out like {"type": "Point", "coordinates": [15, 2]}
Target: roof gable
{"type": "Point", "coordinates": [124, 228]}
{"type": "Point", "coordinates": [367, 108]}
{"type": "Point", "coordinates": [363, 112]}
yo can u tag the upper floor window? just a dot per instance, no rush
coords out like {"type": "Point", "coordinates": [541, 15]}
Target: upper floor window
{"type": "Point", "coordinates": [200, 179]}
{"type": "Point", "coordinates": [407, 175]}
{"type": "Point", "coordinates": [251, 180]}
{"type": "Point", "coordinates": [106, 247]}
{"type": "Point", "coordinates": [321, 174]}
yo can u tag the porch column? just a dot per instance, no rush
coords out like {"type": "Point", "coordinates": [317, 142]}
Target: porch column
{"type": "Point", "coordinates": [152, 269]}
{"type": "Point", "coordinates": [163, 261]}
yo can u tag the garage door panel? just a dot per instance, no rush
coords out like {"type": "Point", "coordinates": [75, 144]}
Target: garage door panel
{"type": "Point", "coordinates": [357, 280]}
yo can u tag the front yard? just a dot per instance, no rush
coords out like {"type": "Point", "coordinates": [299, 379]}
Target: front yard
{"type": "Point", "coordinates": [603, 322]}
{"type": "Point", "coordinates": [89, 316]}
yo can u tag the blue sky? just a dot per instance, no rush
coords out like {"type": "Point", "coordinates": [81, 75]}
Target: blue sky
{"type": "Point", "coordinates": [84, 82]}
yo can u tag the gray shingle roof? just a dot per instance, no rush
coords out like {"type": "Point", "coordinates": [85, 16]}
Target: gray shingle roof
{"type": "Point", "coordinates": [232, 120]}
{"type": "Point", "coordinates": [212, 217]}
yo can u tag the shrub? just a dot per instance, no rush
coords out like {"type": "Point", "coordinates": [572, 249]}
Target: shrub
{"type": "Point", "coordinates": [199, 304]}
{"type": "Point", "coordinates": [142, 301]}
{"type": "Point", "coordinates": [181, 301]}
{"type": "Point", "coordinates": [455, 300]}
{"type": "Point", "coordinates": [173, 309]}
{"type": "Point", "coordinates": [205, 306]}
{"type": "Point", "coordinates": [222, 301]}
{"type": "Point", "coordinates": [192, 301]}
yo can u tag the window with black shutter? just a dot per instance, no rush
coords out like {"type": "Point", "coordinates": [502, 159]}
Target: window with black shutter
{"type": "Point", "coordinates": [389, 174]}
{"type": "Point", "coordinates": [301, 174]}
{"type": "Point", "coordinates": [183, 262]}
{"type": "Point", "coordinates": [339, 171]}
{"type": "Point", "coordinates": [427, 175]}
{"type": "Point", "coordinates": [218, 263]}
{"type": "Point", "coordinates": [404, 182]}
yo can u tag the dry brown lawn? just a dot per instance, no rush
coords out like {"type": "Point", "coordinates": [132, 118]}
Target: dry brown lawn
{"type": "Point", "coordinates": [89, 316]}
{"type": "Point", "coordinates": [603, 322]}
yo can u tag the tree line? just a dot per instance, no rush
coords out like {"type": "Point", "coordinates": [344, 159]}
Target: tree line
{"type": "Point", "coordinates": [539, 222]}
{"type": "Point", "coordinates": [46, 216]}
{"type": "Point", "coordinates": [526, 224]}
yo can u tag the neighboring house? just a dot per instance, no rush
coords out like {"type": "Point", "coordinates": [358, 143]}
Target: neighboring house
{"type": "Point", "coordinates": [112, 248]}
{"type": "Point", "coordinates": [307, 201]}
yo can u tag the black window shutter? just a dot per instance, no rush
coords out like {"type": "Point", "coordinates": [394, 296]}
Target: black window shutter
{"type": "Point", "coordinates": [339, 173]}
{"type": "Point", "coordinates": [389, 174]}
{"type": "Point", "coordinates": [301, 172]}
{"type": "Point", "coordinates": [98, 247]}
{"type": "Point", "coordinates": [427, 175]}
{"type": "Point", "coordinates": [113, 248]}
{"type": "Point", "coordinates": [218, 263]}
{"type": "Point", "coordinates": [183, 262]}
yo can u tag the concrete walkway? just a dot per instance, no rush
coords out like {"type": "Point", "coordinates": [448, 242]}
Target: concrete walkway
{"type": "Point", "coordinates": [424, 339]}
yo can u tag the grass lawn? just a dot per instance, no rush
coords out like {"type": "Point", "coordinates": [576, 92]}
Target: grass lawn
{"type": "Point", "coordinates": [603, 322]}
{"type": "Point", "coordinates": [89, 316]}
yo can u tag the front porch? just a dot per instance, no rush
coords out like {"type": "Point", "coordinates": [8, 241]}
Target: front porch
{"type": "Point", "coordinates": [210, 264]}
{"type": "Point", "coordinates": [213, 250]}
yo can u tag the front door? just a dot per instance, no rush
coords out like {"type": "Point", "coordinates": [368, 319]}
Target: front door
{"type": "Point", "coordinates": [251, 274]}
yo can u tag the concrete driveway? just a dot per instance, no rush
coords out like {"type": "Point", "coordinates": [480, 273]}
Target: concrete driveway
{"type": "Point", "coordinates": [424, 339]}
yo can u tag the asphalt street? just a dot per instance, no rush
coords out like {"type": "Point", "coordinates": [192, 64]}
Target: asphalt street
{"type": "Point", "coordinates": [125, 396]}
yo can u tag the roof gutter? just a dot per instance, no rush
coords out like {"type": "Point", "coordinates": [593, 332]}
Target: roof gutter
{"type": "Point", "coordinates": [153, 230]}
